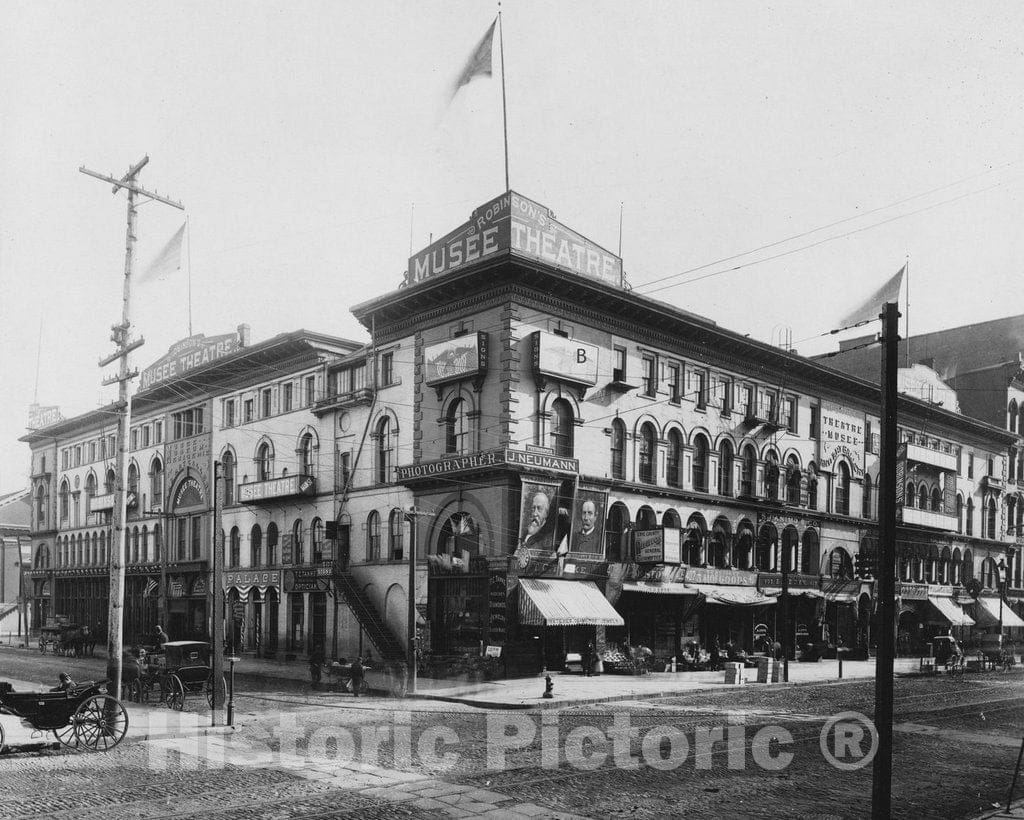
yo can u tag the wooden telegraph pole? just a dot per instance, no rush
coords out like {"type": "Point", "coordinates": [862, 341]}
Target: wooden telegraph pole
{"type": "Point", "coordinates": [115, 607]}
{"type": "Point", "coordinates": [881, 783]}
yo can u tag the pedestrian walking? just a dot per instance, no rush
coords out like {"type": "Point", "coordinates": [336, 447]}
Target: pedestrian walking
{"type": "Point", "coordinates": [357, 676]}
{"type": "Point", "coordinates": [161, 636]}
{"type": "Point", "coordinates": [715, 658]}
{"type": "Point", "coordinates": [588, 659]}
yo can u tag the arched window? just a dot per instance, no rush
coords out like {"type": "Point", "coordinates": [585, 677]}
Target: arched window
{"type": "Point", "coordinates": [812, 487]}
{"type": "Point", "coordinates": [743, 547]}
{"type": "Point", "coordinates": [1012, 413]}
{"type": "Point", "coordinates": [767, 540]}
{"type": "Point", "coordinates": [384, 454]}
{"type": "Point", "coordinates": [396, 534]}
{"type": "Point", "coordinates": [272, 538]}
{"type": "Point", "coordinates": [790, 548]}
{"type": "Point", "coordinates": [134, 502]}
{"type": "Point", "coordinates": [618, 449]}
{"type": "Point", "coordinates": [90, 491]}
{"type": "Point", "coordinates": [922, 497]}
{"type": "Point", "coordinates": [866, 499]}
{"type": "Point", "coordinates": [646, 518]}
{"type": "Point", "coordinates": [256, 547]}
{"type": "Point", "coordinates": [110, 482]}
{"type": "Point", "coordinates": [718, 546]}
{"type": "Point", "coordinates": [970, 516]}
{"type": "Point", "coordinates": [647, 445]}
{"type": "Point", "coordinates": [235, 548]}
{"type": "Point", "coordinates": [992, 518]}
{"type": "Point", "coordinates": [810, 555]}
{"type": "Point", "coordinates": [693, 546]}
{"type": "Point", "coordinates": [936, 499]}
{"type": "Point", "coordinates": [793, 477]}
{"type": "Point", "coordinates": [41, 504]}
{"type": "Point", "coordinates": [989, 574]}
{"type": "Point", "coordinates": [749, 471]}
{"type": "Point", "coordinates": [1011, 465]}
{"type": "Point", "coordinates": [42, 557]}
{"type": "Point", "coordinates": [771, 477]}
{"type": "Point", "coordinates": [157, 543]}
{"type": "Point", "coordinates": [156, 484]}
{"type": "Point", "coordinates": [843, 489]}
{"type": "Point", "coordinates": [700, 464]}
{"type": "Point", "coordinates": [264, 462]}
{"type": "Point", "coordinates": [143, 545]}
{"type": "Point", "coordinates": [911, 496]}
{"type": "Point", "coordinates": [298, 543]}
{"type": "Point", "coordinates": [64, 496]}
{"type": "Point", "coordinates": [616, 526]}
{"type": "Point", "coordinates": [456, 428]}
{"type": "Point", "coordinates": [839, 564]}
{"type": "Point", "coordinates": [316, 537]}
{"type": "Point", "coordinates": [306, 466]}
{"type": "Point", "coordinates": [228, 463]}
{"type": "Point", "coordinates": [373, 536]}
{"type": "Point", "coordinates": [562, 428]}
{"type": "Point", "coordinates": [670, 520]}
{"type": "Point", "coordinates": [968, 567]}
{"type": "Point", "coordinates": [674, 458]}
{"type": "Point", "coordinates": [725, 456]}
{"type": "Point", "coordinates": [135, 545]}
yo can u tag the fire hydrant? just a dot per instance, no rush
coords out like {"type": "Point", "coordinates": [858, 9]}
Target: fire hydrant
{"type": "Point", "coordinates": [549, 685]}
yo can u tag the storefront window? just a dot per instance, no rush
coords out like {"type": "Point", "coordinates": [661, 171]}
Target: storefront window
{"type": "Point", "coordinates": [296, 622]}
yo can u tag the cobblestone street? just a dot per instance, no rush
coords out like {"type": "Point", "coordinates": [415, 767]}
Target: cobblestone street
{"type": "Point", "coordinates": [295, 755]}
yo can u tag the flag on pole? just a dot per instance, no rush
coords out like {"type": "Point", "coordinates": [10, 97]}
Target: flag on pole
{"type": "Point", "coordinates": [479, 63]}
{"type": "Point", "coordinates": [166, 262]}
{"type": "Point", "coordinates": [149, 588]}
{"type": "Point", "coordinates": [872, 306]}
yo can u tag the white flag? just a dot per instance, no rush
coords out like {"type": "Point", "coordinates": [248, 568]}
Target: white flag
{"type": "Point", "coordinates": [871, 307]}
{"type": "Point", "coordinates": [166, 262]}
{"type": "Point", "coordinates": [479, 62]}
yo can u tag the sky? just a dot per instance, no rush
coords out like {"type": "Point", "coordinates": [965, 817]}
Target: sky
{"type": "Point", "coordinates": [769, 164]}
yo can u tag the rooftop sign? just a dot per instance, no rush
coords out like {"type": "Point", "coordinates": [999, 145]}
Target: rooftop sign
{"type": "Point", "coordinates": [513, 225]}
{"type": "Point", "coordinates": [188, 354]}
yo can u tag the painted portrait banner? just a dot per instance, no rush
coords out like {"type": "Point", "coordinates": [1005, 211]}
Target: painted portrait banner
{"type": "Point", "coordinates": [588, 521]}
{"type": "Point", "coordinates": [538, 515]}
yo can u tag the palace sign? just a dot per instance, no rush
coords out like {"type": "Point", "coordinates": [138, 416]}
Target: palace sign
{"type": "Point", "coordinates": [513, 225]}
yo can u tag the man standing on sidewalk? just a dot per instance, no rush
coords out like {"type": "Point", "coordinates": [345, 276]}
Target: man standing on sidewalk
{"type": "Point", "coordinates": [357, 675]}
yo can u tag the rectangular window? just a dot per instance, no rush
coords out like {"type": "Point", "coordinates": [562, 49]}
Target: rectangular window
{"type": "Point", "coordinates": [310, 391]}
{"type": "Point", "coordinates": [700, 388]}
{"type": "Point", "coordinates": [869, 437]}
{"type": "Point", "coordinates": [815, 422]}
{"type": "Point", "coordinates": [387, 369]}
{"type": "Point", "coordinates": [650, 375]}
{"type": "Point", "coordinates": [187, 423]}
{"type": "Point", "coordinates": [247, 408]}
{"type": "Point", "coordinates": [197, 537]}
{"type": "Point", "coordinates": [265, 402]}
{"type": "Point", "coordinates": [135, 438]}
{"type": "Point", "coordinates": [789, 414]}
{"type": "Point", "coordinates": [747, 398]}
{"type": "Point", "coordinates": [158, 432]}
{"type": "Point", "coordinates": [65, 459]}
{"type": "Point", "coordinates": [726, 387]}
{"type": "Point", "coordinates": [146, 432]}
{"type": "Point", "coordinates": [970, 465]}
{"type": "Point", "coordinates": [92, 451]}
{"type": "Point", "coordinates": [619, 371]}
{"type": "Point", "coordinates": [344, 470]}
{"type": "Point", "coordinates": [673, 383]}
{"type": "Point", "coordinates": [286, 397]}
{"type": "Point", "coordinates": [78, 455]}
{"type": "Point", "coordinates": [229, 413]}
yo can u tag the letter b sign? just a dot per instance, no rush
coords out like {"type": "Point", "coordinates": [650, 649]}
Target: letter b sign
{"type": "Point", "coordinates": [581, 355]}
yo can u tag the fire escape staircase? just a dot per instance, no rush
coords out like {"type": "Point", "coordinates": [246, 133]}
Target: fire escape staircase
{"type": "Point", "coordinates": [369, 619]}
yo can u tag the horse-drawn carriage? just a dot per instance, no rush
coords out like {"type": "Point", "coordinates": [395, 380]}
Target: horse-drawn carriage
{"type": "Point", "coordinates": [181, 668]}
{"type": "Point", "coordinates": [79, 715]}
{"type": "Point", "coordinates": [69, 640]}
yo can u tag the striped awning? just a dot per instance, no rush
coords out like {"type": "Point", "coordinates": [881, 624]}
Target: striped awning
{"type": "Point", "coordinates": [988, 612]}
{"type": "Point", "coordinates": [564, 603]}
{"type": "Point", "coordinates": [951, 611]}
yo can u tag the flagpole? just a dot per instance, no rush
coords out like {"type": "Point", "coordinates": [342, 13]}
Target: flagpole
{"type": "Point", "coordinates": [906, 312]}
{"type": "Point", "coordinates": [188, 234]}
{"type": "Point", "coordinates": [504, 107]}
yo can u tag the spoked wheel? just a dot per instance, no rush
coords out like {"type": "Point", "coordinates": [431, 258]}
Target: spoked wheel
{"type": "Point", "coordinates": [208, 688]}
{"type": "Point", "coordinates": [67, 735]}
{"type": "Point", "coordinates": [175, 693]}
{"type": "Point", "coordinates": [101, 722]}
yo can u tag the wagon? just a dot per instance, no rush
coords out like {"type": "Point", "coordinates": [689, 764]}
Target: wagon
{"type": "Point", "coordinates": [49, 636]}
{"type": "Point", "coordinates": [182, 668]}
{"type": "Point", "coordinates": [81, 716]}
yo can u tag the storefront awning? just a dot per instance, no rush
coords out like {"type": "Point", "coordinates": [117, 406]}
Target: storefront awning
{"type": "Point", "coordinates": [987, 613]}
{"type": "Point", "coordinates": [564, 603]}
{"type": "Point", "coordinates": [733, 596]}
{"type": "Point", "coordinates": [951, 611]}
{"type": "Point", "coordinates": [775, 592]}
{"type": "Point", "coordinates": [665, 588]}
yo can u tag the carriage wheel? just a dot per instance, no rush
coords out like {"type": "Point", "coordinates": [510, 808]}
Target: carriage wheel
{"type": "Point", "coordinates": [175, 693]}
{"type": "Point", "coordinates": [101, 722]}
{"type": "Point", "coordinates": [67, 735]}
{"type": "Point", "coordinates": [208, 688]}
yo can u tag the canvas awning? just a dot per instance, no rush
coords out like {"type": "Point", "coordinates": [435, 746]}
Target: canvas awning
{"type": "Point", "coordinates": [987, 613]}
{"type": "Point", "coordinates": [733, 596]}
{"type": "Point", "coordinates": [663, 588]}
{"type": "Point", "coordinates": [564, 603]}
{"type": "Point", "coordinates": [951, 611]}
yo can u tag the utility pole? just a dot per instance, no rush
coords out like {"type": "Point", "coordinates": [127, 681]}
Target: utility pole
{"type": "Point", "coordinates": [881, 781]}
{"type": "Point", "coordinates": [217, 593]}
{"type": "Point", "coordinates": [120, 337]}
{"type": "Point", "coordinates": [411, 514]}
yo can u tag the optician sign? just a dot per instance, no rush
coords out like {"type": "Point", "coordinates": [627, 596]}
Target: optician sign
{"type": "Point", "coordinates": [564, 358]}
{"type": "Point", "coordinates": [456, 358]}
{"type": "Point", "coordinates": [514, 225]}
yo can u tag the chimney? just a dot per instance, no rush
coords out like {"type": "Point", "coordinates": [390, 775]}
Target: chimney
{"type": "Point", "coordinates": [244, 335]}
